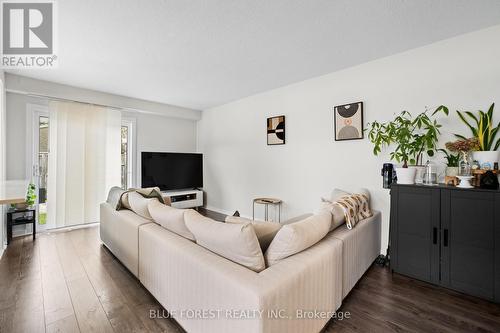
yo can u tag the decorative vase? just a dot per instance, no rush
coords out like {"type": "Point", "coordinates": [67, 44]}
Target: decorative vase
{"type": "Point", "coordinates": [419, 173]}
{"type": "Point", "coordinates": [451, 171]}
{"type": "Point", "coordinates": [484, 157]}
{"type": "Point", "coordinates": [406, 175]}
{"type": "Point", "coordinates": [465, 164]}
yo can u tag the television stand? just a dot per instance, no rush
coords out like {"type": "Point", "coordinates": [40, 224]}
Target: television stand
{"type": "Point", "coordinates": [184, 198]}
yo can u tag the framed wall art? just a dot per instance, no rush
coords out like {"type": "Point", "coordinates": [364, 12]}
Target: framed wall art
{"type": "Point", "coordinates": [276, 130]}
{"type": "Point", "coordinates": [348, 121]}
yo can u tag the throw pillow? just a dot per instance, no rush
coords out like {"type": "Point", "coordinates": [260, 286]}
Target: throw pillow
{"type": "Point", "coordinates": [236, 242]}
{"type": "Point", "coordinates": [139, 204]}
{"type": "Point", "coordinates": [170, 218]}
{"type": "Point", "coordinates": [356, 207]}
{"type": "Point", "coordinates": [296, 237]}
{"type": "Point", "coordinates": [265, 231]}
{"type": "Point", "coordinates": [338, 193]}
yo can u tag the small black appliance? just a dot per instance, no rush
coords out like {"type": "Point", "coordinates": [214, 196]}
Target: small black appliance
{"type": "Point", "coordinates": [388, 175]}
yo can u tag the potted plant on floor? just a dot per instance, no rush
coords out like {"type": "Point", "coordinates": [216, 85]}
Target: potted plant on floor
{"type": "Point", "coordinates": [452, 161]}
{"type": "Point", "coordinates": [481, 126]}
{"type": "Point", "coordinates": [411, 137]}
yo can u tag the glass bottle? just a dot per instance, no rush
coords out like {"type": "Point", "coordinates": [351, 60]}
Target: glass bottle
{"type": "Point", "coordinates": [465, 164]}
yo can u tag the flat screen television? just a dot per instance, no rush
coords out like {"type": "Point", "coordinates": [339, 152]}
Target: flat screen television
{"type": "Point", "coordinates": [171, 171]}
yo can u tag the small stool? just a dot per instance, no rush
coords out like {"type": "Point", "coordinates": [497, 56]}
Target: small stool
{"type": "Point", "coordinates": [266, 202]}
{"type": "Point", "coordinates": [29, 216]}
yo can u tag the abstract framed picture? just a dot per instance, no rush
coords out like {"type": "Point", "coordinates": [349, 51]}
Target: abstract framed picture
{"type": "Point", "coordinates": [348, 121]}
{"type": "Point", "coordinates": [276, 131]}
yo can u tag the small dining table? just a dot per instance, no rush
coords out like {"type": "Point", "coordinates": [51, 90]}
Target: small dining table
{"type": "Point", "coordinates": [13, 191]}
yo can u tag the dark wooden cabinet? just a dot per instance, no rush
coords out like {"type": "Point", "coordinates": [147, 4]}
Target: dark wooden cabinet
{"type": "Point", "coordinates": [447, 236]}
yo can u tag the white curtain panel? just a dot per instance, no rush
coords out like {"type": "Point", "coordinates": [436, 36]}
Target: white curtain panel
{"type": "Point", "coordinates": [84, 161]}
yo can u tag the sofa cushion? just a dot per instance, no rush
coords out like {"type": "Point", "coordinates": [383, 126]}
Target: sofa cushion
{"type": "Point", "coordinates": [139, 204]}
{"type": "Point", "coordinates": [170, 218]}
{"type": "Point", "coordinates": [339, 193]}
{"type": "Point", "coordinates": [356, 207]}
{"type": "Point", "coordinates": [114, 195]}
{"type": "Point", "coordinates": [265, 231]}
{"type": "Point", "coordinates": [336, 212]}
{"type": "Point", "coordinates": [355, 204]}
{"type": "Point", "coordinates": [236, 242]}
{"type": "Point", "coordinates": [298, 236]}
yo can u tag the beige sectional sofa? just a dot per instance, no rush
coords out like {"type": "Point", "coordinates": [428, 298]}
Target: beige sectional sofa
{"type": "Point", "coordinates": [205, 292]}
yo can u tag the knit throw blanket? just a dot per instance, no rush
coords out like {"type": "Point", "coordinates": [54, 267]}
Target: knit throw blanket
{"type": "Point", "coordinates": [118, 198]}
{"type": "Point", "coordinates": [355, 207]}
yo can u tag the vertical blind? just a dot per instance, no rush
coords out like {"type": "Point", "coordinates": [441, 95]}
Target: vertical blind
{"type": "Point", "coordinates": [84, 161]}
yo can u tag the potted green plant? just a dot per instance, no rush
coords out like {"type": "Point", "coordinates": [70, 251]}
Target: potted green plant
{"type": "Point", "coordinates": [452, 161]}
{"type": "Point", "coordinates": [30, 197]}
{"type": "Point", "coordinates": [31, 194]}
{"type": "Point", "coordinates": [481, 126]}
{"type": "Point", "coordinates": [464, 147]}
{"type": "Point", "coordinates": [411, 137]}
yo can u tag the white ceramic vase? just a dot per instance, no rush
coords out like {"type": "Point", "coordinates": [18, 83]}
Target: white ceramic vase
{"type": "Point", "coordinates": [406, 175]}
{"type": "Point", "coordinates": [490, 157]}
{"type": "Point", "coordinates": [419, 173]}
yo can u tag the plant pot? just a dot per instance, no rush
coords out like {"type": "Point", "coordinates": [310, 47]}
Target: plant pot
{"type": "Point", "coordinates": [465, 182]}
{"type": "Point", "coordinates": [451, 171]}
{"type": "Point", "coordinates": [21, 206]}
{"type": "Point", "coordinates": [483, 157]}
{"type": "Point", "coordinates": [406, 175]}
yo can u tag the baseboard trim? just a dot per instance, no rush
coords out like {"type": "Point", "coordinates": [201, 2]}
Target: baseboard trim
{"type": "Point", "coordinates": [69, 228]}
{"type": "Point", "coordinates": [2, 250]}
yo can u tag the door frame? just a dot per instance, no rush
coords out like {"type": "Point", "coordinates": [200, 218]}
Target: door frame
{"type": "Point", "coordinates": [131, 123]}
{"type": "Point", "coordinates": [33, 112]}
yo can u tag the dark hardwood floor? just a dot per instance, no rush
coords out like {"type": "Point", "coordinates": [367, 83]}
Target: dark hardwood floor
{"type": "Point", "coordinates": [68, 282]}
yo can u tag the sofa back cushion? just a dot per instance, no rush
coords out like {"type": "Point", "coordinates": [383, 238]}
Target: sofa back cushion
{"type": "Point", "coordinates": [114, 196]}
{"type": "Point", "coordinates": [170, 218]}
{"type": "Point", "coordinates": [355, 204]}
{"type": "Point", "coordinates": [236, 242]}
{"type": "Point", "coordinates": [139, 204]}
{"type": "Point", "coordinates": [336, 212]}
{"type": "Point", "coordinates": [298, 236]}
{"type": "Point", "coordinates": [265, 231]}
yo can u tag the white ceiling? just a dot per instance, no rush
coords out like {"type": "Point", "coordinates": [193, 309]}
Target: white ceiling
{"type": "Point", "coordinates": [203, 53]}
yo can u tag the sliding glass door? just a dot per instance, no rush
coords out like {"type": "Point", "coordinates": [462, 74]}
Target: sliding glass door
{"type": "Point", "coordinates": [76, 153]}
{"type": "Point", "coordinates": [127, 153]}
{"type": "Point", "coordinates": [40, 167]}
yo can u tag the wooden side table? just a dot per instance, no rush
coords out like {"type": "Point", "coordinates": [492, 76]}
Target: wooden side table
{"type": "Point", "coordinates": [266, 202]}
{"type": "Point", "coordinates": [28, 215]}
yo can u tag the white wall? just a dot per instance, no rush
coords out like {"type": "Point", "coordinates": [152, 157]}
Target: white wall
{"type": "Point", "coordinates": [463, 73]}
{"type": "Point", "coordinates": [16, 133]}
{"type": "Point", "coordinates": [2, 155]}
{"type": "Point", "coordinates": [162, 134]}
